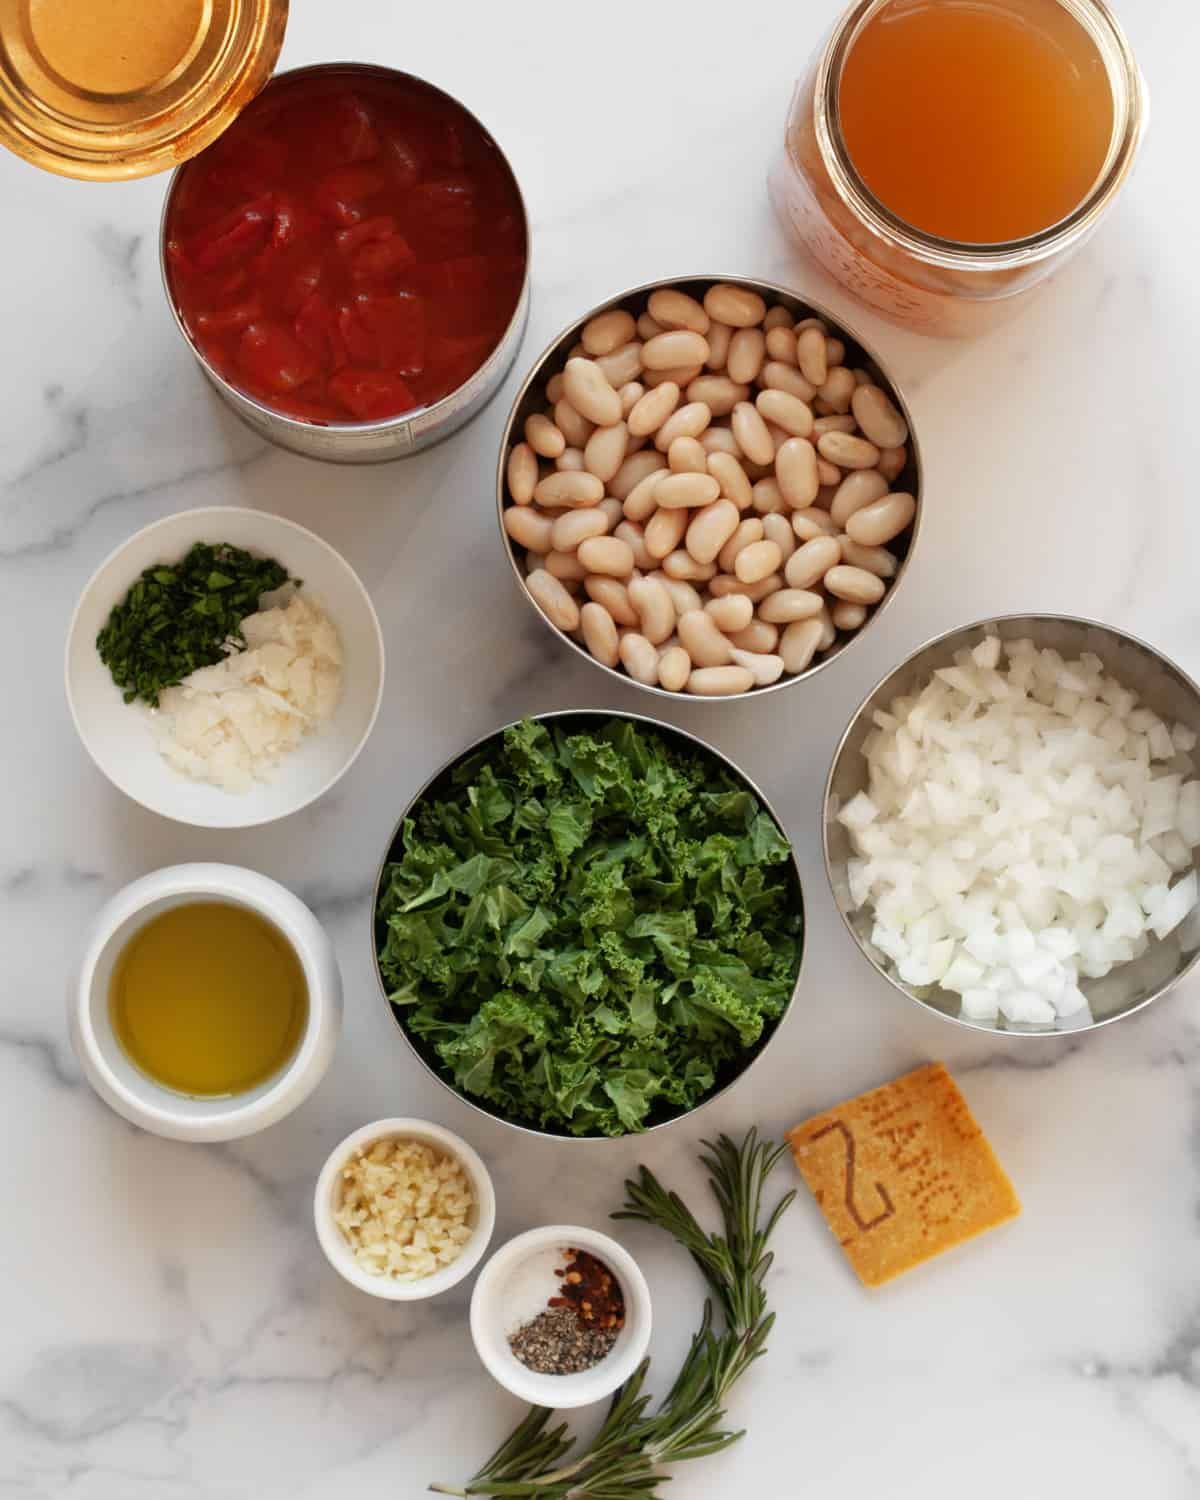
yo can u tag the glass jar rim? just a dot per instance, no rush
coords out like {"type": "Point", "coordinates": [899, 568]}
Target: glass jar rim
{"type": "Point", "coordinates": [1130, 116]}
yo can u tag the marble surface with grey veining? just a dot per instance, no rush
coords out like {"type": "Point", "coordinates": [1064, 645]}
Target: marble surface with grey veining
{"type": "Point", "coordinates": [168, 1328]}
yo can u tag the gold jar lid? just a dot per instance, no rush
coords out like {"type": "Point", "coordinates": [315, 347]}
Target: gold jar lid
{"type": "Point", "coordinates": [108, 89]}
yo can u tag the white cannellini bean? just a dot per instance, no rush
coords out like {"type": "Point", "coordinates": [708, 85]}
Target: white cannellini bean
{"type": "Point", "coordinates": [702, 640]}
{"type": "Point", "coordinates": [798, 644]}
{"type": "Point", "coordinates": [835, 352]}
{"type": "Point", "coordinates": [758, 561]}
{"type": "Point", "coordinates": [786, 605]}
{"type": "Point", "coordinates": [757, 636]}
{"type": "Point", "coordinates": [529, 528]}
{"type": "Point", "coordinates": [764, 669]}
{"type": "Point", "coordinates": [720, 439]}
{"type": "Point", "coordinates": [781, 348]}
{"type": "Point", "coordinates": [681, 564]}
{"type": "Point", "coordinates": [811, 355]}
{"type": "Point", "coordinates": [610, 508]}
{"type": "Point", "coordinates": [685, 421]}
{"type": "Point", "coordinates": [847, 616]}
{"type": "Point", "coordinates": [655, 610]}
{"type": "Point", "coordinates": [631, 473]}
{"type": "Point", "coordinates": [732, 613]}
{"type": "Point", "coordinates": [630, 393]}
{"type": "Point", "coordinates": [600, 633]}
{"type": "Point", "coordinates": [605, 451]}
{"type": "Point", "coordinates": [855, 585]}
{"type": "Point", "coordinates": [632, 534]}
{"type": "Point", "coordinates": [892, 461]}
{"type": "Point", "coordinates": [719, 393]}
{"type": "Point", "coordinates": [606, 554]}
{"type": "Point", "coordinates": [719, 682]}
{"type": "Point", "coordinates": [812, 522]}
{"type": "Point", "coordinates": [747, 350]}
{"type": "Point", "coordinates": [877, 416]}
{"type": "Point", "coordinates": [876, 524]}
{"type": "Point", "coordinates": [847, 450]}
{"type": "Point", "coordinates": [554, 389]}
{"type": "Point", "coordinates": [778, 529]}
{"type": "Point", "coordinates": [575, 429]}
{"type": "Point", "coordinates": [730, 583]}
{"type": "Point", "coordinates": [686, 491]}
{"type": "Point", "coordinates": [813, 322]}
{"type": "Point", "coordinates": [734, 482]}
{"type": "Point", "coordinates": [639, 658]}
{"type": "Point", "coordinates": [590, 393]}
{"type": "Point", "coordinates": [679, 346]}
{"type": "Point", "coordinates": [834, 422]}
{"type": "Point", "coordinates": [569, 488]}
{"type": "Point", "coordinates": [828, 629]}
{"type": "Point", "coordinates": [569, 461]}
{"type": "Point", "coordinates": [565, 566]}
{"type": "Point", "coordinates": [796, 472]}
{"type": "Point", "coordinates": [543, 436]}
{"type": "Point", "coordinates": [748, 531]}
{"type": "Point", "coordinates": [664, 531]}
{"type": "Point", "coordinates": [786, 411]}
{"type": "Point", "coordinates": [719, 335]}
{"type": "Point", "coordinates": [860, 488]}
{"type": "Point", "coordinates": [622, 365]}
{"type": "Point", "coordinates": [671, 308]}
{"type": "Point", "coordinates": [674, 669]}
{"type": "Point", "coordinates": [640, 504]}
{"type": "Point", "coordinates": [552, 599]}
{"type": "Point", "coordinates": [522, 473]}
{"type": "Point", "coordinates": [768, 497]}
{"type": "Point", "coordinates": [680, 375]}
{"type": "Point", "coordinates": [710, 528]}
{"type": "Point", "coordinates": [877, 560]}
{"type": "Point", "coordinates": [809, 564]}
{"type": "Point", "coordinates": [736, 305]}
{"type": "Point", "coordinates": [751, 432]}
{"type": "Point", "coordinates": [653, 409]}
{"type": "Point", "coordinates": [608, 331]}
{"type": "Point", "coordinates": [829, 474]}
{"type": "Point", "coordinates": [648, 326]}
{"type": "Point", "coordinates": [576, 526]}
{"type": "Point", "coordinates": [778, 317]}
{"type": "Point", "coordinates": [838, 390]}
{"type": "Point", "coordinates": [612, 594]}
{"type": "Point", "coordinates": [686, 456]}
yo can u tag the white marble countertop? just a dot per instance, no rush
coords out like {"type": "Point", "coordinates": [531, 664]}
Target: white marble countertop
{"type": "Point", "coordinates": [170, 1329]}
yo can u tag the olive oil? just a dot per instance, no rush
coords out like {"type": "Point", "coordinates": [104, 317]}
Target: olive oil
{"type": "Point", "coordinates": [208, 999]}
{"type": "Point", "coordinates": [977, 120]}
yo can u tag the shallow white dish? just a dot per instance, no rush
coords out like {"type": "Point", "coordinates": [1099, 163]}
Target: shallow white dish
{"type": "Point", "coordinates": [138, 1098]}
{"type": "Point", "coordinates": [117, 735]}
{"type": "Point", "coordinates": [481, 1219]}
{"type": "Point", "coordinates": [505, 1297]}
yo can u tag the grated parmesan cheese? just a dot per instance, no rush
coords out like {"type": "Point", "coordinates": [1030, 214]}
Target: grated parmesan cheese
{"type": "Point", "coordinates": [229, 724]}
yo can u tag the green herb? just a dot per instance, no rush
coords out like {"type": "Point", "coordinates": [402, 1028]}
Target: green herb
{"type": "Point", "coordinates": [181, 616]}
{"type": "Point", "coordinates": [589, 931]}
{"type": "Point", "coordinates": [627, 1453]}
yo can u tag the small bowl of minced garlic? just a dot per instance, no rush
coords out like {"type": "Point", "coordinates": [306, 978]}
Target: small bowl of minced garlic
{"type": "Point", "coordinates": [404, 1209]}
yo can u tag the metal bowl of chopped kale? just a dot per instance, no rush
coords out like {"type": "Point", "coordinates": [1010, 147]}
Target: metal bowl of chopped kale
{"type": "Point", "coordinates": [588, 924]}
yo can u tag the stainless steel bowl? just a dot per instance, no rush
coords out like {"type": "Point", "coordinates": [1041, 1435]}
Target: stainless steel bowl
{"type": "Point", "coordinates": [1160, 685]}
{"type": "Point", "coordinates": [392, 437]}
{"type": "Point", "coordinates": [553, 357]}
{"type": "Point", "coordinates": [579, 719]}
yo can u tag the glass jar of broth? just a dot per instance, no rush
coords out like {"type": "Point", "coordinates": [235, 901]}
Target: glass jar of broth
{"type": "Point", "coordinates": [943, 156]}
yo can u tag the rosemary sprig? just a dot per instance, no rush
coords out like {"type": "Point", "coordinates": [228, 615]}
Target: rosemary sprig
{"type": "Point", "coordinates": [624, 1459]}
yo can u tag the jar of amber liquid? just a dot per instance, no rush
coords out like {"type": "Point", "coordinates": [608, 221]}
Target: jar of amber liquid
{"type": "Point", "coordinates": [943, 157]}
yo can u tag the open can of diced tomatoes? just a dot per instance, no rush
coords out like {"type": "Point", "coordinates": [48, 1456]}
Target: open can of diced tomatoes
{"type": "Point", "coordinates": [349, 262]}
{"type": "Point", "coordinates": [345, 250]}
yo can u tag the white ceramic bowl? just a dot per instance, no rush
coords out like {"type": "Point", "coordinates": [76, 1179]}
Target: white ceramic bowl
{"type": "Point", "coordinates": [129, 1091]}
{"type": "Point", "coordinates": [506, 1296]}
{"type": "Point", "coordinates": [117, 734]}
{"type": "Point", "coordinates": [481, 1219]}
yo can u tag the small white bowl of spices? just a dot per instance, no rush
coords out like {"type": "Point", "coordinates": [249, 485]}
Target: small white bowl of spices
{"type": "Point", "coordinates": [404, 1209]}
{"type": "Point", "coordinates": [561, 1316]}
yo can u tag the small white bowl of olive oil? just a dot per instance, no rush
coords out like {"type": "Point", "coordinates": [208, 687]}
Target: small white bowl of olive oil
{"type": "Point", "coordinates": [208, 1002]}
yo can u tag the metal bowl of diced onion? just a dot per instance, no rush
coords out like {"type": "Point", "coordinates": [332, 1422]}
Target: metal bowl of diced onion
{"type": "Point", "coordinates": [1015, 808]}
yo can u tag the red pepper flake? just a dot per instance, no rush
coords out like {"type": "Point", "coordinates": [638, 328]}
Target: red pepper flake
{"type": "Point", "coordinates": [592, 1290]}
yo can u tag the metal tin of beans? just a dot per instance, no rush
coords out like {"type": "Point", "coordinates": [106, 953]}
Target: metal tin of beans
{"type": "Point", "coordinates": [1160, 685]}
{"type": "Point", "coordinates": [531, 398]}
{"type": "Point", "coordinates": [390, 437]}
{"type": "Point", "coordinates": [582, 719]}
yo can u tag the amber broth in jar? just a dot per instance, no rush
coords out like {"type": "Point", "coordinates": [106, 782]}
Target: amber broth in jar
{"type": "Point", "coordinates": [976, 120]}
